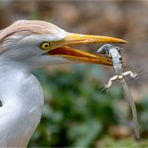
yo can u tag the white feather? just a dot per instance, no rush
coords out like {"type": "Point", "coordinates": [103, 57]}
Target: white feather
{"type": "Point", "coordinates": [22, 100]}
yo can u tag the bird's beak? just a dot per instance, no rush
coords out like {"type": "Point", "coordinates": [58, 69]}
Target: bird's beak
{"type": "Point", "coordinates": [73, 38]}
{"type": "Point", "coordinates": [80, 56]}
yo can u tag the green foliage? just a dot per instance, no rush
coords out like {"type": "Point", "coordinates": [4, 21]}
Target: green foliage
{"type": "Point", "coordinates": [76, 113]}
{"type": "Point", "coordinates": [108, 142]}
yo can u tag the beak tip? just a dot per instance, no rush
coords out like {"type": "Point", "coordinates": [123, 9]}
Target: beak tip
{"type": "Point", "coordinates": [123, 42]}
{"type": "Point", "coordinates": [117, 40]}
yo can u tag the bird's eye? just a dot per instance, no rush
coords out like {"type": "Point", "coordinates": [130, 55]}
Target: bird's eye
{"type": "Point", "coordinates": [45, 45]}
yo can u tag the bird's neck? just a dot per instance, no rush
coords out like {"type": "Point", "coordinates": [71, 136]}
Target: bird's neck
{"type": "Point", "coordinates": [22, 101]}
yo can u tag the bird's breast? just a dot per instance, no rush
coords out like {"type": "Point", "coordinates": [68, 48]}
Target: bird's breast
{"type": "Point", "coordinates": [22, 101]}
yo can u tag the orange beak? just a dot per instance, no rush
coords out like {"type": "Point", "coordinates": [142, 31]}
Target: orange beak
{"type": "Point", "coordinates": [80, 56]}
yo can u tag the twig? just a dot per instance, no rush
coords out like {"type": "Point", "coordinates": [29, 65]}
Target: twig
{"type": "Point", "coordinates": [114, 52]}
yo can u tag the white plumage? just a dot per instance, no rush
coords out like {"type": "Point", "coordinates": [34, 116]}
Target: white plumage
{"type": "Point", "coordinates": [22, 100]}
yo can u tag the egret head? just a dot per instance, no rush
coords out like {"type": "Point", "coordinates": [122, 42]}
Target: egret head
{"type": "Point", "coordinates": [39, 42]}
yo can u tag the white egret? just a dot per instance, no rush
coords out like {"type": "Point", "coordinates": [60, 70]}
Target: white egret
{"type": "Point", "coordinates": [25, 45]}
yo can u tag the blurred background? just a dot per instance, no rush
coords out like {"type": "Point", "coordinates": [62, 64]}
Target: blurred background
{"type": "Point", "coordinates": [76, 113]}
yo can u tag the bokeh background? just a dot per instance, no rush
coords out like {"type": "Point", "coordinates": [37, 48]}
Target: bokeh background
{"type": "Point", "coordinates": [76, 113]}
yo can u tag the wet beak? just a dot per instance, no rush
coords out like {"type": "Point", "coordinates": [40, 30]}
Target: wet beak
{"type": "Point", "coordinates": [80, 56]}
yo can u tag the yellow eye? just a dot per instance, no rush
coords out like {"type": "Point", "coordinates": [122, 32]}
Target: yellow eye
{"type": "Point", "coordinates": [45, 45]}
